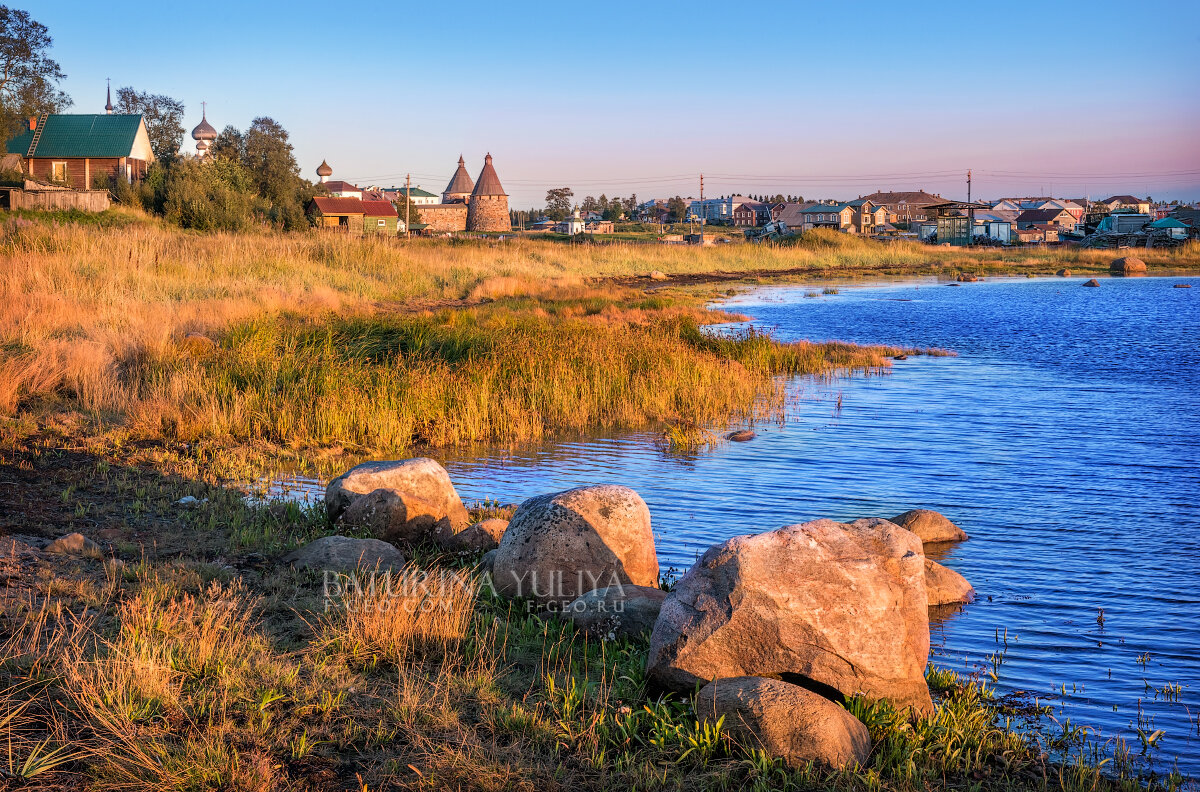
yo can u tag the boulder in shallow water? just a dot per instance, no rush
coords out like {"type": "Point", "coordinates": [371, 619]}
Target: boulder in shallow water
{"type": "Point", "coordinates": [345, 554]}
{"type": "Point", "coordinates": [930, 526]}
{"type": "Point", "coordinates": [616, 610]}
{"type": "Point", "coordinates": [1127, 265]}
{"type": "Point", "coordinates": [1064, 273]}
{"type": "Point", "coordinates": [786, 721]}
{"type": "Point", "coordinates": [944, 586]}
{"type": "Point", "coordinates": [966, 277]}
{"type": "Point", "coordinates": [842, 605]}
{"type": "Point", "coordinates": [742, 436]}
{"type": "Point", "coordinates": [420, 478]}
{"type": "Point", "coordinates": [1093, 283]}
{"type": "Point", "coordinates": [395, 516]}
{"type": "Point", "coordinates": [559, 546]}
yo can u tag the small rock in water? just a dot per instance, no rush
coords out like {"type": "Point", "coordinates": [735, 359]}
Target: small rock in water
{"type": "Point", "coordinates": [944, 586]}
{"type": "Point", "coordinates": [930, 526]}
{"type": "Point", "coordinates": [743, 436]}
{"type": "Point", "coordinates": [1064, 273]}
{"type": "Point", "coordinates": [900, 357]}
{"type": "Point", "coordinates": [1093, 282]}
{"type": "Point", "coordinates": [75, 544]}
{"type": "Point", "coordinates": [954, 284]}
{"type": "Point", "coordinates": [1183, 285]}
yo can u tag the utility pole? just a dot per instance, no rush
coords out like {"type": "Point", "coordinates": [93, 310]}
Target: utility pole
{"type": "Point", "coordinates": [703, 210]}
{"type": "Point", "coordinates": [970, 212]}
{"type": "Point", "coordinates": [407, 204]}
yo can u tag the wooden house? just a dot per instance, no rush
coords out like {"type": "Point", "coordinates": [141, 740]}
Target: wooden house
{"type": "Point", "coordinates": [73, 149]}
{"type": "Point", "coordinates": [337, 214]}
{"type": "Point", "coordinates": [380, 217]}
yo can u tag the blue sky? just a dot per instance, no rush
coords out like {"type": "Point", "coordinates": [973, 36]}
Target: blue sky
{"type": "Point", "coordinates": [824, 100]}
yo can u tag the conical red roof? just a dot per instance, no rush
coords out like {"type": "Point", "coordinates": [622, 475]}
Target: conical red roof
{"type": "Point", "coordinates": [488, 182]}
{"type": "Point", "coordinates": [461, 182]}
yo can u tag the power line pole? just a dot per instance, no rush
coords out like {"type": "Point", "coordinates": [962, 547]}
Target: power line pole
{"type": "Point", "coordinates": [703, 210]}
{"type": "Point", "coordinates": [407, 204]}
{"type": "Point", "coordinates": [970, 212]}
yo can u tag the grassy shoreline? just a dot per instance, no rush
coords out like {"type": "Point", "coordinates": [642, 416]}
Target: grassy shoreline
{"type": "Point", "coordinates": [140, 364]}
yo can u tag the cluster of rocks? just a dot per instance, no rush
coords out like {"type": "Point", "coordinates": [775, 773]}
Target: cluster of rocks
{"type": "Point", "coordinates": [779, 628]}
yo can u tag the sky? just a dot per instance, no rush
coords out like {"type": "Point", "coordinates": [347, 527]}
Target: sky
{"type": "Point", "coordinates": [830, 99]}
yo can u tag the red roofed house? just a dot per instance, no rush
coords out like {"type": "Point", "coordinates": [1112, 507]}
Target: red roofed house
{"type": "Point", "coordinates": [353, 215]}
{"type": "Point", "coordinates": [1053, 217]}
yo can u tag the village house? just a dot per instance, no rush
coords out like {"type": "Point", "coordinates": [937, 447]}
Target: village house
{"type": "Point", "coordinates": [751, 214]}
{"type": "Point", "coordinates": [419, 197]}
{"type": "Point", "coordinates": [792, 214]}
{"type": "Point", "coordinates": [718, 211]}
{"type": "Point", "coordinates": [74, 150]}
{"type": "Point", "coordinates": [838, 216]}
{"type": "Point", "coordinates": [1060, 218]}
{"type": "Point", "coordinates": [867, 215]}
{"type": "Point", "coordinates": [353, 216]}
{"type": "Point", "coordinates": [1126, 203]}
{"type": "Point", "coordinates": [342, 189]}
{"type": "Point", "coordinates": [904, 207]}
{"type": "Point", "coordinates": [337, 213]}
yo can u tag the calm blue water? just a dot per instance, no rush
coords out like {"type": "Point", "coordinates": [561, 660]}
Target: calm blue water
{"type": "Point", "coordinates": [1064, 438]}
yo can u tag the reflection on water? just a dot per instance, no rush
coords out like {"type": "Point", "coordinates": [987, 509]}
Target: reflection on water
{"type": "Point", "coordinates": [1064, 440]}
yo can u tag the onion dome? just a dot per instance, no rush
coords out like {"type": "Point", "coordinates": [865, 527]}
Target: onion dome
{"type": "Point", "coordinates": [202, 145]}
{"type": "Point", "coordinates": [323, 170]}
{"type": "Point", "coordinates": [108, 107]}
{"type": "Point", "coordinates": [204, 130]}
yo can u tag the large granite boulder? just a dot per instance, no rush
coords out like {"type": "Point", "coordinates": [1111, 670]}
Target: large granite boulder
{"type": "Point", "coordinates": [931, 526]}
{"type": "Point", "coordinates": [559, 546]}
{"type": "Point", "coordinates": [345, 554]}
{"type": "Point", "coordinates": [786, 721]}
{"type": "Point", "coordinates": [476, 538]}
{"type": "Point", "coordinates": [945, 586]}
{"type": "Point", "coordinates": [840, 604]}
{"type": "Point", "coordinates": [396, 516]}
{"type": "Point", "coordinates": [616, 611]}
{"type": "Point", "coordinates": [420, 478]}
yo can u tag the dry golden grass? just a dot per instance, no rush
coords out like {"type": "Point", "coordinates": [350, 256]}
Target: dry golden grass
{"type": "Point", "coordinates": [319, 343]}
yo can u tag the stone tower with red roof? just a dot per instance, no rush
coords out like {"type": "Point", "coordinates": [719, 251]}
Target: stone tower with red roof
{"type": "Point", "coordinates": [488, 208]}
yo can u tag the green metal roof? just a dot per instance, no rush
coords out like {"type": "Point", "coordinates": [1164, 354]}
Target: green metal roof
{"type": "Point", "coordinates": [81, 136]}
{"type": "Point", "coordinates": [824, 209]}
{"type": "Point", "coordinates": [417, 192]}
{"type": "Point", "coordinates": [1168, 222]}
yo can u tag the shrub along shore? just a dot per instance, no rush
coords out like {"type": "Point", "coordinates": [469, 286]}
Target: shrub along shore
{"type": "Point", "coordinates": [145, 371]}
